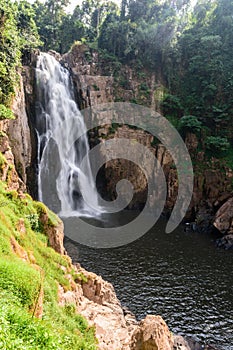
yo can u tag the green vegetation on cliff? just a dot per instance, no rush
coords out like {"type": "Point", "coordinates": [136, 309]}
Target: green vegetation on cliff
{"type": "Point", "coordinates": [30, 273]}
{"type": "Point", "coordinates": [186, 47]}
{"type": "Point", "coordinates": [18, 34]}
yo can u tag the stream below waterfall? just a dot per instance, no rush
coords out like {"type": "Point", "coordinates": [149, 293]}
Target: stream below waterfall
{"type": "Point", "coordinates": [181, 276]}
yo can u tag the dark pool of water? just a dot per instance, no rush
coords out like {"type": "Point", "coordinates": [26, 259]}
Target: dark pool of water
{"type": "Point", "coordinates": [181, 276]}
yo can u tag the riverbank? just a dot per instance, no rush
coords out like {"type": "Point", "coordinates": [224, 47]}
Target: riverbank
{"type": "Point", "coordinates": [59, 304]}
{"type": "Point", "coordinates": [181, 276]}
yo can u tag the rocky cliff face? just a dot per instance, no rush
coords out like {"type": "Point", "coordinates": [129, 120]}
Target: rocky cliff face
{"type": "Point", "coordinates": [8, 173]}
{"type": "Point", "coordinates": [19, 133]}
{"type": "Point", "coordinates": [93, 297]}
{"type": "Point", "coordinates": [15, 144]}
{"type": "Point", "coordinates": [100, 80]}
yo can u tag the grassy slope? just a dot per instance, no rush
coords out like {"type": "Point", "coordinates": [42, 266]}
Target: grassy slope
{"type": "Point", "coordinates": [24, 272]}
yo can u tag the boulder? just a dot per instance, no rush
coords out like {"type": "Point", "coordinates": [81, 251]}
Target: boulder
{"type": "Point", "coordinates": [223, 220]}
{"type": "Point", "coordinates": [225, 242]}
{"type": "Point", "coordinates": [153, 335]}
{"type": "Point", "coordinates": [96, 300]}
{"type": "Point", "coordinates": [180, 343]}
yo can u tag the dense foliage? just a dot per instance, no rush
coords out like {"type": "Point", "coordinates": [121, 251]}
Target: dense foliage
{"type": "Point", "coordinates": [188, 48]}
{"type": "Point", "coordinates": [200, 67]}
{"type": "Point", "coordinates": [18, 33]}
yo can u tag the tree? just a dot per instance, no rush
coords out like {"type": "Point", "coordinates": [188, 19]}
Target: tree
{"type": "Point", "coordinates": [10, 53]}
{"type": "Point", "coordinates": [118, 38]}
{"type": "Point", "coordinates": [124, 5]}
{"type": "Point", "coordinates": [190, 123]}
{"type": "Point", "coordinates": [201, 64]}
{"type": "Point", "coordinates": [26, 25]}
{"type": "Point", "coordinates": [49, 19]}
{"type": "Point", "coordinates": [217, 145]}
{"type": "Point", "coordinates": [72, 29]}
{"type": "Point", "coordinates": [18, 33]}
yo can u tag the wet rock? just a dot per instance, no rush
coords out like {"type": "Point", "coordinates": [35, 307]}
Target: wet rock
{"type": "Point", "coordinates": [225, 242]}
{"type": "Point", "coordinates": [223, 220]}
{"type": "Point", "coordinates": [180, 343]}
{"type": "Point", "coordinates": [55, 54]}
{"type": "Point", "coordinates": [195, 345]}
{"type": "Point", "coordinates": [129, 316]}
{"type": "Point", "coordinates": [204, 218]}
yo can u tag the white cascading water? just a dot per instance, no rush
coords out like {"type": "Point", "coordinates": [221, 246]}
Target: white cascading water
{"type": "Point", "coordinates": [62, 185]}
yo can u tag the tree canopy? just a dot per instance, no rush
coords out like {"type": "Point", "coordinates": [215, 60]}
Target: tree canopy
{"type": "Point", "coordinates": [188, 47]}
{"type": "Point", "coordinates": [18, 32]}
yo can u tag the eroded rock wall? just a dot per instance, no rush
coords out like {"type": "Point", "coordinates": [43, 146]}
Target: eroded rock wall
{"type": "Point", "coordinates": [15, 143]}
{"type": "Point", "coordinates": [96, 82]}
{"type": "Point", "coordinates": [99, 80]}
{"type": "Point", "coordinates": [20, 135]}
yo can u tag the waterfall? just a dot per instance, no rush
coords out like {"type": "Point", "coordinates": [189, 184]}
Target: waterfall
{"type": "Point", "coordinates": [62, 183]}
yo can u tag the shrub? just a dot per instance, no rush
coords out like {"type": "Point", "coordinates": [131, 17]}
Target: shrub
{"type": "Point", "coordinates": [6, 113]}
{"type": "Point", "coordinates": [190, 123]}
{"type": "Point", "coordinates": [217, 144]}
{"type": "Point", "coordinates": [34, 222]}
{"type": "Point", "coordinates": [171, 105]}
{"type": "Point", "coordinates": [144, 87]}
{"type": "Point", "coordinates": [95, 87]}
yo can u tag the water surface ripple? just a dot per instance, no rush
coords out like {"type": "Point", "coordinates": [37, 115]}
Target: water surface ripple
{"type": "Point", "coordinates": [181, 276]}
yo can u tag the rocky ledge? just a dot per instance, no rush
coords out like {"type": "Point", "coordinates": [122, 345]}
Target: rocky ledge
{"type": "Point", "coordinates": [96, 300]}
{"type": "Point", "coordinates": [223, 222]}
{"type": "Point", "coordinates": [116, 327]}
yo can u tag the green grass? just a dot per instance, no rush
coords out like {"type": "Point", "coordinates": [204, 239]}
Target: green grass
{"type": "Point", "coordinates": [19, 331]}
{"type": "Point", "coordinates": [19, 278]}
{"type": "Point", "coordinates": [21, 281]}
